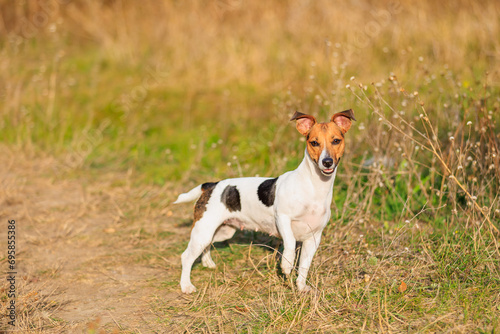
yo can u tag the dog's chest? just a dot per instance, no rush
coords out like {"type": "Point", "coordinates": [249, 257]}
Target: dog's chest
{"type": "Point", "coordinates": [311, 218]}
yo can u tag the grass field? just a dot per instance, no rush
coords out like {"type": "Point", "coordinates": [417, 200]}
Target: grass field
{"type": "Point", "coordinates": [110, 109]}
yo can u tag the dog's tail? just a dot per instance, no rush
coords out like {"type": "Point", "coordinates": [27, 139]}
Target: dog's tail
{"type": "Point", "coordinates": [190, 196]}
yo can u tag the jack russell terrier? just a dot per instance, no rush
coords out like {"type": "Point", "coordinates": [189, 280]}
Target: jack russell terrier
{"type": "Point", "coordinates": [294, 206]}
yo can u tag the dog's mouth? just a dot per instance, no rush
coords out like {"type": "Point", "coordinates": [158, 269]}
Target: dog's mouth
{"type": "Point", "coordinates": [328, 171]}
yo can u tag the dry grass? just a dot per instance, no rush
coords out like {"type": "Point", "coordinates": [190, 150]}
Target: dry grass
{"type": "Point", "coordinates": [110, 109]}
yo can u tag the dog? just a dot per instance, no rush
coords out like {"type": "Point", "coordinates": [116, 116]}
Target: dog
{"type": "Point", "coordinates": [294, 206]}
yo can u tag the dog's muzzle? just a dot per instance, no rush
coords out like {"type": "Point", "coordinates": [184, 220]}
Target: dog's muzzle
{"type": "Point", "coordinates": [328, 165]}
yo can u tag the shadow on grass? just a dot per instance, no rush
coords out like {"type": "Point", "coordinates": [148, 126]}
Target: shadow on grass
{"type": "Point", "coordinates": [267, 244]}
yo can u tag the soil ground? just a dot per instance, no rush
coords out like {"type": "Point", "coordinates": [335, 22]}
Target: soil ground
{"type": "Point", "coordinates": [80, 259]}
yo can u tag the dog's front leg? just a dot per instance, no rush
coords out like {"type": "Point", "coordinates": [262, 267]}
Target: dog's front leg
{"type": "Point", "coordinates": [309, 248]}
{"type": "Point", "coordinates": [284, 224]}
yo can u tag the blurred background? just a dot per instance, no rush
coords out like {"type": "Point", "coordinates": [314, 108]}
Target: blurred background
{"type": "Point", "coordinates": [190, 90]}
{"type": "Point", "coordinates": [168, 94]}
{"type": "Point", "coordinates": [143, 84]}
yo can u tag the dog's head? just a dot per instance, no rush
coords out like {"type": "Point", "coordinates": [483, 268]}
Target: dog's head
{"type": "Point", "coordinates": [325, 141]}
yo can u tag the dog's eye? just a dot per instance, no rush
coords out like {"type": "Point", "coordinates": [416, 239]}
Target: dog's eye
{"type": "Point", "coordinates": [314, 143]}
{"type": "Point", "coordinates": [336, 141]}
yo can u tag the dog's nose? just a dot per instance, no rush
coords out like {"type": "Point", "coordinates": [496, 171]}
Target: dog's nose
{"type": "Point", "coordinates": [327, 162]}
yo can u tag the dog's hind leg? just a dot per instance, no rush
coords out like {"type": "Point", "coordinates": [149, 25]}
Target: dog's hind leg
{"type": "Point", "coordinates": [201, 237]}
{"type": "Point", "coordinates": [224, 232]}
{"type": "Point", "coordinates": [206, 258]}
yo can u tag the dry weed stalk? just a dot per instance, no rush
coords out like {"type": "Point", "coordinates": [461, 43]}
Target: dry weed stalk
{"type": "Point", "coordinates": [430, 138]}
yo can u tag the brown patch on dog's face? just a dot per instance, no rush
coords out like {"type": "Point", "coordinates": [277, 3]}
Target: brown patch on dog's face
{"type": "Point", "coordinates": [325, 137]}
{"type": "Point", "coordinates": [325, 141]}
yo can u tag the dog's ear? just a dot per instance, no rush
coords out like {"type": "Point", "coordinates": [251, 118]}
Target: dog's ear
{"type": "Point", "coordinates": [343, 119]}
{"type": "Point", "coordinates": [304, 122]}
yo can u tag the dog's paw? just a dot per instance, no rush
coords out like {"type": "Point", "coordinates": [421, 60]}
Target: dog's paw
{"type": "Point", "coordinates": [188, 288]}
{"type": "Point", "coordinates": [286, 268]}
{"type": "Point", "coordinates": [304, 288]}
{"type": "Point", "coordinates": [208, 263]}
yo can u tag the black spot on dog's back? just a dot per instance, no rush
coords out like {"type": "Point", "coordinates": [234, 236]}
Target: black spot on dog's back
{"type": "Point", "coordinates": [208, 185]}
{"type": "Point", "coordinates": [267, 191]}
{"type": "Point", "coordinates": [231, 198]}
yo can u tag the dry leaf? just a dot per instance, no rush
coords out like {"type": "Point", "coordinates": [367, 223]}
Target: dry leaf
{"type": "Point", "coordinates": [402, 287]}
{"type": "Point", "coordinates": [241, 309]}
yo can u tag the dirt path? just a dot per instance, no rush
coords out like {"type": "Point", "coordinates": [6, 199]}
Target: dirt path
{"type": "Point", "coordinates": [92, 252]}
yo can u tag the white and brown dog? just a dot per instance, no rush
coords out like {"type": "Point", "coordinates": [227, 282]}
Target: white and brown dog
{"type": "Point", "coordinates": [294, 206]}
